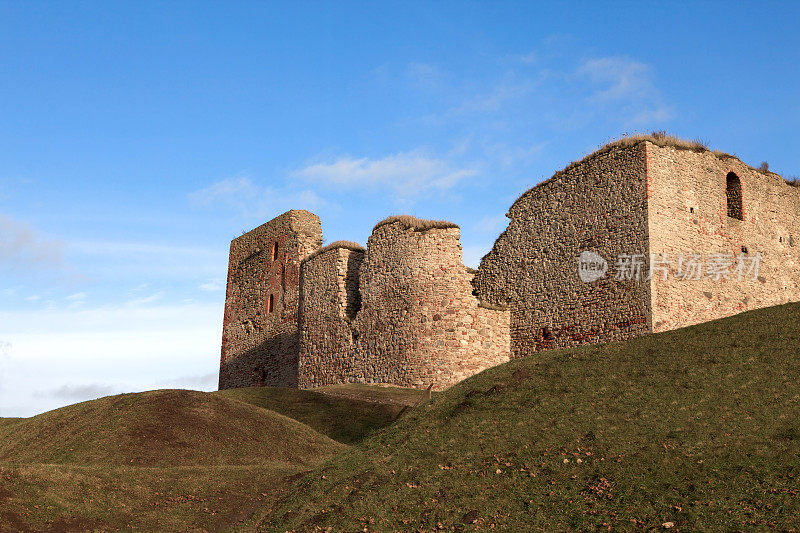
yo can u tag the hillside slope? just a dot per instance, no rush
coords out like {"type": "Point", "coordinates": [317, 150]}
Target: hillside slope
{"type": "Point", "coordinates": [345, 413]}
{"type": "Point", "coordinates": [162, 428]}
{"type": "Point", "coordinates": [694, 428]}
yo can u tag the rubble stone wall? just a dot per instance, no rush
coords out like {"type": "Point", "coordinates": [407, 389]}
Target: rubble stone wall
{"type": "Point", "coordinates": [597, 205]}
{"type": "Point", "coordinates": [260, 346]}
{"type": "Point", "coordinates": [329, 300]}
{"type": "Point", "coordinates": [419, 323]}
{"type": "Point", "coordinates": [689, 215]}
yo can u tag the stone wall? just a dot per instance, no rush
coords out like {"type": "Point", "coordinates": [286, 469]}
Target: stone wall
{"type": "Point", "coordinates": [260, 345]}
{"type": "Point", "coordinates": [408, 312]}
{"type": "Point", "coordinates": [419, 323]}
{"type": "Point", "coordinates": [599, 205]}
{"type": "Point", "coordinates": [688, 214]}
{"type": "Point", "coordinates": [329, 300]}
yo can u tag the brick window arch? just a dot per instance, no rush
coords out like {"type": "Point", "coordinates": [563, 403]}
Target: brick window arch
{"type": "Point", "coordinates": [733, 192]}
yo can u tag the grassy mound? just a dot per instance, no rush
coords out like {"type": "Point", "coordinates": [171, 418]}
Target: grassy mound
{"type": "Point", "coordinates": [162, 428]}
{"type": "Point", "coordinates": [697, 428]}
{"type": "Point", "coordinates": [345, 418]}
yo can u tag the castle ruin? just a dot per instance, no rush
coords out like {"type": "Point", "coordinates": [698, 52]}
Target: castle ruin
{"type": "Point", "coordinates": [406, 311]}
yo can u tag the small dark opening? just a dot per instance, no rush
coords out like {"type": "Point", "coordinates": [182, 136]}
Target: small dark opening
{"type": "Point", "coordinates": [271, 304]}
{"type": "Point", "coordinates": [547, 334]}
{"type": "Point", "coordinates": [275, 251]}
{"type": "Point", "coordinates": [744, 249]}
{"type": "Point", "coordinates": [733, 192]}
{"type": "Point", "coordinates": [691, 209]}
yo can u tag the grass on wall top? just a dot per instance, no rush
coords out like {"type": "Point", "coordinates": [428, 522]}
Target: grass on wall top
{"type": "Point", "coordinates": [349, 245]}
{"type": "Point", "coordinates": [415, 224]}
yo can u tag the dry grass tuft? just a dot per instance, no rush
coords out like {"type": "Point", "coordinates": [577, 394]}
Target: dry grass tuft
{"type": "Point", "coordinates": [416, 224]}
{"type": "Point", "coordinates": [794, 181]}
{"type": "Point", "coordinates": [350, 245]}
{"type": "Point", "coordinates": [659, 138]}
{"type": "Point", "coordinates": [764, 166]}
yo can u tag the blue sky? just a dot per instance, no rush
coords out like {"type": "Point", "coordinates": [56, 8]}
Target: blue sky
{"type": "Point", "coordinates": [138, 139]}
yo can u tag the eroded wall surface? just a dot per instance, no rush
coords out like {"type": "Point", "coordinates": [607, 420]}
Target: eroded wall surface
{"type": "Point", "coordinates": [260, 346]}
{"type": "Point", "coordinates": [329, 301]}
{"type": "Point", "coordinates": [689, 215]}
{"type": "Point", "coordinates": [597, 205]}
{"type": "Point", "coordinates": [419, 323]}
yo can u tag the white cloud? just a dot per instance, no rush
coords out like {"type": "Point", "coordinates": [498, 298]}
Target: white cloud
{"type": "Point", "coordinates": [621, 81]}
{"type": "Point", "coordinates": [495, 99]}
{"type": "Point", "coordinates": [148, 260]}
{"type": "Point", "coordinates": [146, 299]}
{"type": "Point", "coordinates": [78, 393]}
{"type": "Point", "coordinates": [208, 381]}
{"type": "Point", "coordinates": [618, 77]}
{"type": "Point", "coordinates": [425, 75]}
{"type": "Point", "coordinates": [63, 356]}
{"type": "Point", "coordinates": [213, 285]}
{"type": "Point", "coordinates": [251, 200]}
{"type": "Point", "coordinates": [406, 174]}
{"type": "Point", "coordinates": [22, 246]}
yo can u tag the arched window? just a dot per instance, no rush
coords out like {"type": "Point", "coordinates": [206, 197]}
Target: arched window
{"type": "Point", "coordinates": [271, 304]}
{"type": "Point", "coordinates": [275, 251]}
{"type": "Point", "coordinates": [733, 191]}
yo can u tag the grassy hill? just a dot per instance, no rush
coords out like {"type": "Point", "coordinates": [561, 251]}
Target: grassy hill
{"type": "Point", "coordinates": [345, 413]}
{"type": "Point", "coordinates": [162, 428]}
{"type": "Point", "coordinates": [174, 460]}
{"type": "Point", "coordinates": [697, 429]}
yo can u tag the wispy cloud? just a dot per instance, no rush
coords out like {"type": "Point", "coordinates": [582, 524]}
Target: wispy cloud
{"type": "Point", "coordinates": [495, 98]}
{"type": "Point", "coordinates": [622, 81]}
{"type": "Point", "coordinates": [208, 381]}
{"type": "Point", "coordinates": [425, 75]}
{"type": "Point", "coordinates": [213, 285]}
{"type": "Point", "coordinates": [144, 300]}
{"type": "Point", "coordinates": [79, 393]}
{"type": "Point", "coordinates": [22, 246]}
{"type": "Point", "coordinates": [90, 352]}
{"type": "Point", "coordinates": [406, 175]}
{"type": "Point", "coordinates": [251, 200]}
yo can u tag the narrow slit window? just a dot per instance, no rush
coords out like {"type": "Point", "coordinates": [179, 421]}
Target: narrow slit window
{"type": "Point", "coordinates": [271, 303]}
{"type": "Point", "coordinates": [275, 251]}
{"type": "Point", "coordinates": [733, 191]}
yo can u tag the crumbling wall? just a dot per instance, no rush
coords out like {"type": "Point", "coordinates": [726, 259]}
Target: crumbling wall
{"type": "Point", "coordinates": [689, 215]}
{"type": "Point", "coordinates": [329, 300]}
{"type": "Point", "coordinates": [419, 323]}
{"type": "Point", "coordinates": [260, 345]}
{"type": "Point", "coordinates": [597, 205]}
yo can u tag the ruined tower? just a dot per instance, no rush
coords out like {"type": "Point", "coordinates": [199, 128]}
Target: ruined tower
{"type": "Point", "coordinates": [260, 328]}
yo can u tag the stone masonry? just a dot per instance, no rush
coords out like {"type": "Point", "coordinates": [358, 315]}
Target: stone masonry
{"type": "Point", "coordinates": [647, 199]}
{"type": "Point", "coordinates": [688, 214]}
{"type": "Point", "coordinates": [402, 312]}
{"type": "Point", "coordinates": [260, 342]}
{"type": "Point", "coordinates": [406, 311]}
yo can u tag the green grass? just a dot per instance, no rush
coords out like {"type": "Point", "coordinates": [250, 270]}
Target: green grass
{"type": "Point", "coordinates": [169, 460]}
{"type": "Point", "coordinates": [699, 427]}
{"type": "Point", "coordinates": [162, 428]}
{"type": "Point", "coordinates": [344, 413]}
